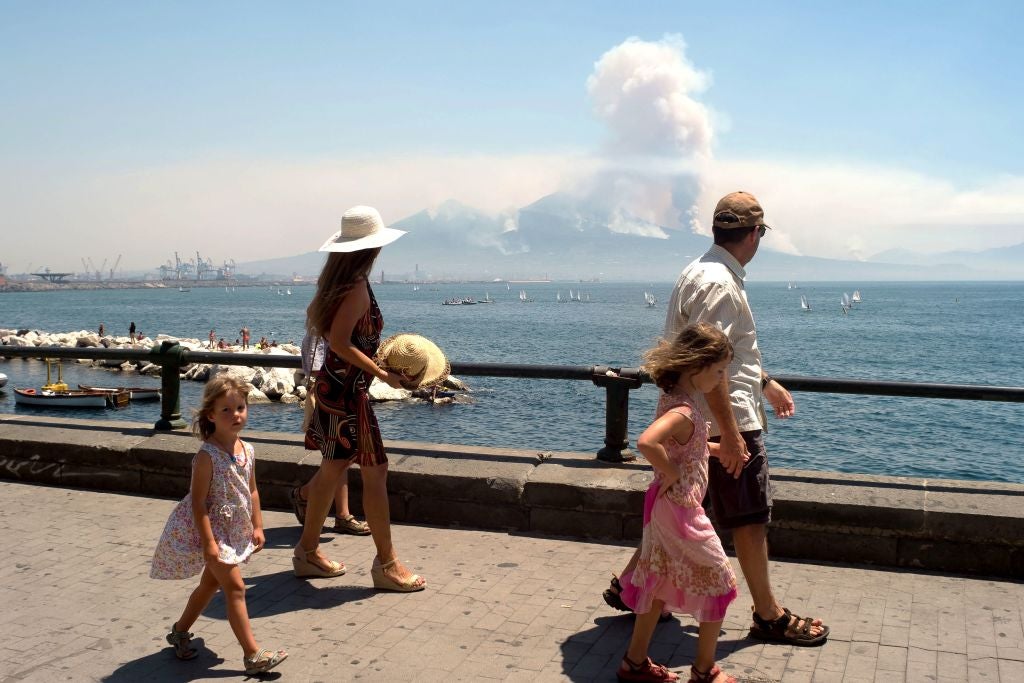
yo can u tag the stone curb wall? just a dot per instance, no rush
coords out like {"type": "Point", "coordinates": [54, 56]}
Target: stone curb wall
{"type": "Point", "coordinates": [967, 527]}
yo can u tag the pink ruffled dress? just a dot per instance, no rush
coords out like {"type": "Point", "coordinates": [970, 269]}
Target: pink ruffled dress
{"type": "Point", "coordinates": [179, 552]}
{"type": "Point", "coordinates": [682, 561]}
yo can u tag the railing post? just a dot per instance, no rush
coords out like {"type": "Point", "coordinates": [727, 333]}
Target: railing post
{"type": "Point", "coordinates": [616, 416]}
{"type": "Point", "coordinates": [169, 355]}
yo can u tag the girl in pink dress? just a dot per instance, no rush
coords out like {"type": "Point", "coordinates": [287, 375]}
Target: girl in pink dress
{"type": "Point", "coordinates": [218, 525]}
{"type": "Point", "coordinates": [682, 566]}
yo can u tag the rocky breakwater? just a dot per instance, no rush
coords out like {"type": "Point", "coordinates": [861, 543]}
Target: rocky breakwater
{"type": "Point", "coordinates": [266, 383]}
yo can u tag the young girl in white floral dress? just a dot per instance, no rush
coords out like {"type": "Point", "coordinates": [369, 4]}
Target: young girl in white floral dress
{"type": "Point", "coordinates": [682, 566]}
{"type": "Point", "coordinates": [218, 525]}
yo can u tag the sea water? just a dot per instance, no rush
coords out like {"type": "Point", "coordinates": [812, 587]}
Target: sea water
{"type": "Point", "coordinates": [962, 333]}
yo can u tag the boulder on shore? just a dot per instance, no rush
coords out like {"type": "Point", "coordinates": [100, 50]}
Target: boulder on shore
{"type": "Point", "coordinates": [381, 391]}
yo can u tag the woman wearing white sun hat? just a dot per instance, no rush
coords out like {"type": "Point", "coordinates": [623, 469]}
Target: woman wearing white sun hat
{"type": "Point", "coordinates": [343, 426]}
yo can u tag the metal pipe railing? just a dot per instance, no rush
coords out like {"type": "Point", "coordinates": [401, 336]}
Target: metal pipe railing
{"type": "Point", "coordinates": [617, 382]}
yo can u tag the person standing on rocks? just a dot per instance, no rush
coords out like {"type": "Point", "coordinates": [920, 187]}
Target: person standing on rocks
{"type": "Point", "coordinates": [244, 332]}
{"type": "Point", "coordinates": [101, 330]}
{"type": "Point", "coordinates": [131, 332]}
{"type": "Point", "coordinates": [343, 426]}
{"type": "Point", "coordinates": [213, 339]}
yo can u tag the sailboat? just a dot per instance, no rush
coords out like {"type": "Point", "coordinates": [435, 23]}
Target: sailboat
{"type": "Point", "coordinates": [649, 299]}
{"type": "Point", "coordinates": [508, 287]}
{"type": "Point", "coordinates": [288, 292]}
{"type": "Point", "coordinates": [558, 297]}
{"type": "Point", "coordinates": [522, 296]}
{"type": "Point", "coordinates": [856, 296]}
{"type": "Point", "coordinates": [487, 299]}
{"type": "Point", "coordinates": [845, 303]}
{"type": "Point", "coordinates": [803, 303]}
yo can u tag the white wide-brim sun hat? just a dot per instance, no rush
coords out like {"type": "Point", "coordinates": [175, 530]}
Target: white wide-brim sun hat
{"type": "Point", "coordinates": [416, 357]}
{"type": "Point", "coordinates": [361, 228]}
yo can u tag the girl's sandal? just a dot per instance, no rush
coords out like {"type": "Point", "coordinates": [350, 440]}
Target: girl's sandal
{"type": "Point", "coordinates": [263, 661]}
{"type": "Point", "coordinates": [710, 676]}
{"type": "Point", "coordinates": [644, 672]}
{"type": "Point", "coordinates": [298, 504]}
{"type": "Point", "coordinates": [305, 568]}
{"type": "Point", "coordinates": [180, 640]}
{"type": "Point", "coordinates": [350, 525]}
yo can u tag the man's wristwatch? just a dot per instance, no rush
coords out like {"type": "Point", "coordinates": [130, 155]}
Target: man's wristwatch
{"type": "Point", "coordinates": [765, 380]}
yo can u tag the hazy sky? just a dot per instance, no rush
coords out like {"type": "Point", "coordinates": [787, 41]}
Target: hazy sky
{"type": "Point", "coordinates": [245, 129]}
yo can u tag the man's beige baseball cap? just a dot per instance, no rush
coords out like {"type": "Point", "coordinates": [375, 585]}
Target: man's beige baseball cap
{"type": "Point", "coordinates": [738, 210]}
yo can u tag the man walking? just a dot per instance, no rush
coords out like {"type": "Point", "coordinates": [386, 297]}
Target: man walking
{"type": "Point", "coordinates": [711, 290]}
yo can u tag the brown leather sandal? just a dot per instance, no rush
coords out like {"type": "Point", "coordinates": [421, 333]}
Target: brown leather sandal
{"type": "Point", "coordinates": [789, 628]}
{"type": "Point", "coordinates": [613, 598]}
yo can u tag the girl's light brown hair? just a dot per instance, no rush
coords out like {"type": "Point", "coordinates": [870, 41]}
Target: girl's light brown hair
{"type": "Point", "coordinates": [217, 386]}
{"type": "Point", "coordinates": [695, 348]}
{"type": "Point", "coordinates": [339, 274]}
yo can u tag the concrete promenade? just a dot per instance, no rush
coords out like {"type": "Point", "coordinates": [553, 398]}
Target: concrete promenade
{"type": "Point", "coordinates": [77, 605]}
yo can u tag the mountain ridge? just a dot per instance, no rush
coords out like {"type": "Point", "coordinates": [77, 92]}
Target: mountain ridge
{"type": "Point", "coordinates": [562, 238]}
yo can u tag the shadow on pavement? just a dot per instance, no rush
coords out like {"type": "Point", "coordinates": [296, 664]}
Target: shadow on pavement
{"type": "Point", "coordinates": [680, 633]}
{"type": "Point", "coordinates": [282, 593]}
{"type": "Point", "coordinates": [164, 667]}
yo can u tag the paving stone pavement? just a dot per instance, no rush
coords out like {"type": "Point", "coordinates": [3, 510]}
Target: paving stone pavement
{"type": "Point", "coordinates": [77, 605]}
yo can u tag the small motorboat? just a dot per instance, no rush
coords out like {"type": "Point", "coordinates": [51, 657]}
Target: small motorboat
{"type": "Point", "coordinates": [58, 395]}
{"type": "Point", "coordinates": [60, 399]}
{"type": "Point", "coordinates": [134, 393]}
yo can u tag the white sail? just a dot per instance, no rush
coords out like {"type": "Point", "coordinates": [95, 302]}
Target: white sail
{"type": "Point", "coordinates": [856, 296]}
{"type": "Point", "coordinates": [803, 303]}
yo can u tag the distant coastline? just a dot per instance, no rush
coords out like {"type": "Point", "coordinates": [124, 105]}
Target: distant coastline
{"type": "Point", "coordinates": [40, 286]}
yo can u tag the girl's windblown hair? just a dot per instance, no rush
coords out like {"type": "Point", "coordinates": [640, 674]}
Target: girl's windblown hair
{"type": "Point", "coordinates": [341, 271]}
{"type": "Point", "coordinates": [696, 347]}
{"type": "Point", "coordinates": [216, 386]}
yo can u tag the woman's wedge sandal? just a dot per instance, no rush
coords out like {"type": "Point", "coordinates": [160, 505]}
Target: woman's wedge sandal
{"type": "Point", "coordinates": [709, 676]}
{"type": "Point", "coordinates": [263, 661]}
{"type": "Point", "coordinates": [351, 525]}
{"type": "Point", "coordinates": [179, 640]}
{"type": "Point", "coordinates": [304, 568]}
{"type": "Point", "coordinates": [644, 672]}
{"type": "Point", "coordinates": [298, 504]}
{"type": "Point", "coordinates": [382, 581]}
{"type": "Point", "coordinates": [791, 629]}
{"type": "Point", "coordinates": [613, 598]}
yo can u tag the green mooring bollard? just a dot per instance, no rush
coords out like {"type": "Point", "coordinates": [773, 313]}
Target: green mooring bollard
{"type": "Point", "coordinates": [169, 355]}
{"type": "Point", "coordinates": [617, 385]}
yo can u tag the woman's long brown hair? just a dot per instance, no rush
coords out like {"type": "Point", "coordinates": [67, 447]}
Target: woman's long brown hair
{"type": "Point", "coordinates": [339, 274]}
